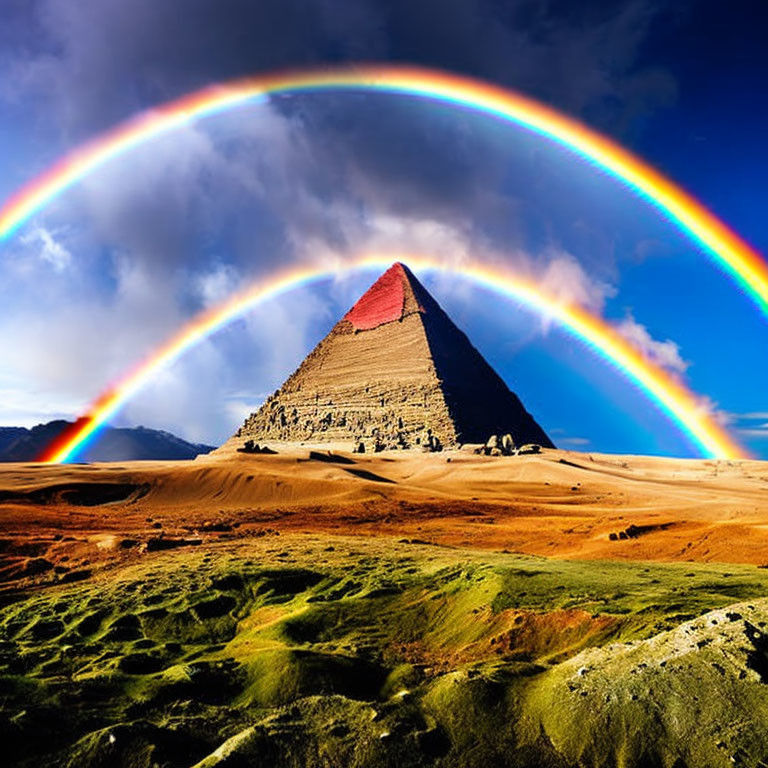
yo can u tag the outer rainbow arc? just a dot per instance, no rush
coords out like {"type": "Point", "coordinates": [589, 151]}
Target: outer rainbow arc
{"type": "Point", "coordinates": [729, 251]}
{"type": "Point", "coordinates": [670, 395]}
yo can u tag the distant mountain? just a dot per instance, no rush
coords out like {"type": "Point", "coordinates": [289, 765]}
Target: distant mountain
{"type": "Point", "coordinates": [114, 443]}
{"type": "Point", "coordinates": [8, 436]}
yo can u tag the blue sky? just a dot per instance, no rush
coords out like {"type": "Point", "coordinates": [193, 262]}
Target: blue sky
{"type": "Point", "coordinates": [121, 261]}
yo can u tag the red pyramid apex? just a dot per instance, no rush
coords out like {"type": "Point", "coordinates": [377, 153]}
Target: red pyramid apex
{"type": "Point", "coordinates": [382, 303]}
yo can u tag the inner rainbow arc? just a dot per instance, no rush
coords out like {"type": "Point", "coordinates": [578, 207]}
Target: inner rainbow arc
{"type": "Point", "coordinates": [668, 394]}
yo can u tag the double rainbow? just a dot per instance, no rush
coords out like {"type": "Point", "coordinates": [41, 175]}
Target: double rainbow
{"type": "Point", "coordinates": [729, 252]}
{"type": "Point", "coordinates": [725, 247]}
{"type": "Point", "coordinates": [665, 391]}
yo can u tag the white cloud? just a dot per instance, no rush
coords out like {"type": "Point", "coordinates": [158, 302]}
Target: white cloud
{"type": "Point", "coordinates": [215, 285]}
{"type": "Point", "coordinates": [576, 441]}
{"type": "Point", "coordinates": [752, 424]}
{"type": "Point", "coordinates": [665, 354]}
{"type": "Point", "coordinates": [50, 251]}
{"type": "Point", "coordinates": [709, 407]}
{"type": "Point", "coordinates": [239, 410]}
{"type": "Point", "coordinates": [25, 406]}
{"type": "Point", "coordinates": [565, 279]}
{"type": "Point", "coordinates": [454, 243]}
{"type": "Point", "coordinates": [758, 432]}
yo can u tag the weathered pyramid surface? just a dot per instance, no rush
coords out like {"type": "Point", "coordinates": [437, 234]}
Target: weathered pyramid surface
{"type": "Point", "coordinates": [393, 372]}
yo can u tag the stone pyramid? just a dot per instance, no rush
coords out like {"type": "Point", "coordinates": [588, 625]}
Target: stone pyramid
{"type": "Point", "coordinates": [393, 372]}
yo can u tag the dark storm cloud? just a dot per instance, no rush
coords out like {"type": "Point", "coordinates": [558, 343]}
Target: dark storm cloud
{"type": "Point", "coordinates": [578, 56]}
{"type": "Point", "coordinates": [94, 62]}
{"type": "Point", "coordinates": [102, 60]}
{"type": "Point", "coordinates": [106, 58]}
{"type": "Point", "coordinates": [99, 61]}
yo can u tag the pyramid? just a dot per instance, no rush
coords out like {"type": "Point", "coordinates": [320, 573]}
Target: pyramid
{"type": "Point", "coordinates": [394, 372]}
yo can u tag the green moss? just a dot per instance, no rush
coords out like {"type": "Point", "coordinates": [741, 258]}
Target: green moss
{"type": "Point", "coordinates": [374, 653]}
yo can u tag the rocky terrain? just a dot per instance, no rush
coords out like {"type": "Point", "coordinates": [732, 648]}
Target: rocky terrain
{"type": "Point", "coordinates": [395, 372]}
{"type": "Point", "coordinates": [404, 609]}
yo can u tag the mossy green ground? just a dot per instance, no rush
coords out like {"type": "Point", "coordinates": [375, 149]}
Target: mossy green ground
{"type": "Point", "coordinates": [308, 651]}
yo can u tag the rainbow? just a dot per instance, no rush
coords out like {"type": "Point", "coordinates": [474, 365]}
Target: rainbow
{"type": "Point", "coordinates": [666, 392]}
{"type": "Point", "coordinates": [725, 247]}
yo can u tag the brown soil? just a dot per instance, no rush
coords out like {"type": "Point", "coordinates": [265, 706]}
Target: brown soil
{"type": "Point", "coordinates": [60, 521]}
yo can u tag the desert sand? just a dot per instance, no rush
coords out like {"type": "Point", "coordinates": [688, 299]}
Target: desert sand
{"type": "Point", "coordinates": [317, 607]}
{"type": "Point", "coordinates": [558, 504]}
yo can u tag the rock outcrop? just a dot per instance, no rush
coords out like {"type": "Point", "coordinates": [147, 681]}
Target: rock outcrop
{"type": "Point", "coordinates": [395, 372]}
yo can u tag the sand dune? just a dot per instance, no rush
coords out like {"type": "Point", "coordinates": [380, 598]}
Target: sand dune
{"type": "Point", "coordinates": [559, 504]}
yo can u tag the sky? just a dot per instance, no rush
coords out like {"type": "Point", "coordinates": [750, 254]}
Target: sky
{"type": "Point", "coordinates": [118, 263]}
